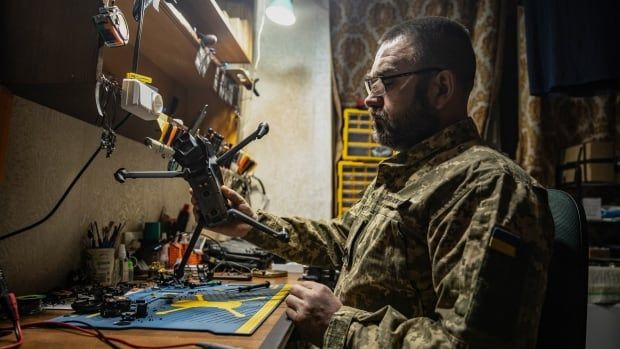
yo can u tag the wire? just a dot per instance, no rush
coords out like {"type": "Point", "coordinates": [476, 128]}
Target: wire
{"type": "Point", "coordinates": [136, 49]}
{"type": "Point", "coordinates": [20, 339]}
{"type": "Point", "coordinates": [258, 36]}
{"type": "Point", "coordinates": [265, 202]}
{"type": "Point", "coordinates": [100, 334]}
{"type": "Point", "coordinates": [10, 305]}
{"type": "Point", "coordinates": [67, 191]}
{"type": "Point", "coordinates": [93, 333]}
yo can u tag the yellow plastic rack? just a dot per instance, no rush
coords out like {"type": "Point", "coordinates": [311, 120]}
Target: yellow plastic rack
{"type": "Point", "coordinates": [353, 178]}
{"type": "Point", "coordinates": [357, 134]}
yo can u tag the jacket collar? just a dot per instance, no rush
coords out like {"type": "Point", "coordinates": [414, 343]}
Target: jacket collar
{"type": "Point", "coordinates": [405, 162]}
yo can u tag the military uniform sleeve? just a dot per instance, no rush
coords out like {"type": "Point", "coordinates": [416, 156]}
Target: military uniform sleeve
{"type": "Point", "coordinates": [312, 242]}
{"type": "Point", "coordinates": [489, 246]}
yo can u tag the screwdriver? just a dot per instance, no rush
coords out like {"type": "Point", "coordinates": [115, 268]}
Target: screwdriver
{"type": "Point", "coordinates": [266, 284]}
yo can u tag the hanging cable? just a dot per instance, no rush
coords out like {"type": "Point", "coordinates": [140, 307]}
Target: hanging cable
{"type": "Point", "coordinates": [258, 36]}
{"type": "Point", "coordinates": [62, 198]}
{"type": "Point", "coordinates": [136, 50]}
{"type": "Point", "coordinates": [136, 56]}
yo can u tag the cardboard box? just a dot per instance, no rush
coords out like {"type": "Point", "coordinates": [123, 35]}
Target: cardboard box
{"type": "Point", "coordinates": [596, 160]}
{"type": "Point", "coordinates": [591, 151]}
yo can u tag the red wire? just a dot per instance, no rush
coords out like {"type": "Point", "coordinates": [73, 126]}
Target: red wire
{"type": "Point", "coordinates": [110, 338]}
{"type": "Point", "coordinates": [20, 340]}
{"type": "Point", "coordinates": [16, 326]}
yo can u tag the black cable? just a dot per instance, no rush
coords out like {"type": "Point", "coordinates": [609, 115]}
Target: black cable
{"type": "Point", "coordinates": [62, 198]}
{"type": "Point", "coordinates": [262, 186]}
{"type": "Point", "coordinates": [136, 50]}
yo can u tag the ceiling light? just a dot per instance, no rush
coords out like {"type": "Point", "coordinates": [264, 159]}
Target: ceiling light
{"type": "Point", "coordinates": [281, 12]}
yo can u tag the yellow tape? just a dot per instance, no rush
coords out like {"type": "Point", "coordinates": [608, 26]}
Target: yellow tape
{"type": "Point", "coordinates": [262, 313]}
{"type": "Point", "coordinates": [164, 129]}
{"type": "Point", "coordinates": [142, 78]}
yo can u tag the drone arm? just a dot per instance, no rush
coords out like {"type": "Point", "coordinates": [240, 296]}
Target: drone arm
{"type": "Point", "coordinates": [263, 129]}
{"type": "Point", "coordinates": [179, 269]}
{"type": "Point", "coordinates": [122, 174]}
{"type": "Point", "coordinates": [236, 214]}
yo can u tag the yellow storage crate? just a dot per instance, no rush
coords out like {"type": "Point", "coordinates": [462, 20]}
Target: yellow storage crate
{"type": "Point", "coordinates": [353, 178]}
{"type": "Point", "coordinates": [357, 134]}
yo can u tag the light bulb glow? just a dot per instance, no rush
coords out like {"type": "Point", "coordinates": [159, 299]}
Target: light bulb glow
{"type": "Point", "coordinates": [281, 12]}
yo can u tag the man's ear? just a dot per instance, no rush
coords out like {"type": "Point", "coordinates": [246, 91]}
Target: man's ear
{"type": "Point", "coordinates": [442, 89]}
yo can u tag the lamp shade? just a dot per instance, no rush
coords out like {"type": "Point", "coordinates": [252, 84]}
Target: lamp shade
{"type": "Point", "coordinates": [281, 12]}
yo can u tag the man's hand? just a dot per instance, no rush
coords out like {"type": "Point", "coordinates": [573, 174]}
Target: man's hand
{"type": "Point", "coordinates": [311, 306]}
{"type": "Point", "coordinates": [234, 228]}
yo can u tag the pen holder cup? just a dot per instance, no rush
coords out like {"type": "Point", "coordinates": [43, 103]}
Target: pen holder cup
{"type": "Point", "coordinates": [101, 264]}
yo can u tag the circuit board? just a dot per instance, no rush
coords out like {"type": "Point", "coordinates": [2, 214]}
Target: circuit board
{"type": "Point", "coordinates": [217, 309]}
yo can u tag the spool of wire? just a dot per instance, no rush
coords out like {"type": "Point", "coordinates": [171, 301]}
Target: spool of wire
{"type": "Point", "coordinates": [30, 304]}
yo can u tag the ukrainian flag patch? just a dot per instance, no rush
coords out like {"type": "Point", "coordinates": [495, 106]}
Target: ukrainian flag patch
{"type": "Point", "coordinates": [504, 242]}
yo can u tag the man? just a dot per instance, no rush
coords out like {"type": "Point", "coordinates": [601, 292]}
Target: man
{"type": "Point", "coordinates": [449, 246]}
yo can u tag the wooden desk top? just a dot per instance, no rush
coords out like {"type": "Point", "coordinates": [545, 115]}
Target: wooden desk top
{"type": "Point", "coordinates": [273, 333]}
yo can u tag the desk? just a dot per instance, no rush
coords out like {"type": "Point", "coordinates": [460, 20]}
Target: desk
{"type": "Point", "coordinates": [603, 325]}
{"type": "Point", "coordinates": [273, 333]}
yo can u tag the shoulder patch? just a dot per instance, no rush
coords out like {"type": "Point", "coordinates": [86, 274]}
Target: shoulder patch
{"type": "Point", "coordinates": [504, 242]}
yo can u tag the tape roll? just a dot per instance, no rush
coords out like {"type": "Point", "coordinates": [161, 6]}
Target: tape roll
{"type": "Point", "coordinates": [30, 304]}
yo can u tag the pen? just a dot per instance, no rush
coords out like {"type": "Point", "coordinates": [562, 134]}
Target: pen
{"type": "Point", "coordinates": [97, 235]}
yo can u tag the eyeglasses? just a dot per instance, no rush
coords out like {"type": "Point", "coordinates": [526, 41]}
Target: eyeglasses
{"type": "Point", "coordinates": [375, 85]}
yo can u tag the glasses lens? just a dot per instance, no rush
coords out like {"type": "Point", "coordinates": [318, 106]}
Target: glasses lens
{"type": "Point", "coordinates": [374, 87]}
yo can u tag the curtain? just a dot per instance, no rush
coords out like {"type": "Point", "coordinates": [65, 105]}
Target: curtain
{"type": "Point", "coordinates": [357, 25]}
{"type": "Point", "coordinates": [549, 124]}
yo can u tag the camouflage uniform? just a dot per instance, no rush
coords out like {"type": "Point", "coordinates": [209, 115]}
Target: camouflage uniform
{"type": "Point", "coordinates": [448, 248]}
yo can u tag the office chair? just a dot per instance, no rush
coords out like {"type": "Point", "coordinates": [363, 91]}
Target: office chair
{"type": "Point", "coordinates": [563, 320]}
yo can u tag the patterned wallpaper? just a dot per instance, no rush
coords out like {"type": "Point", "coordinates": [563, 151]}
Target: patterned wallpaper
{"type": "Point", "coordinates": [357, 25]}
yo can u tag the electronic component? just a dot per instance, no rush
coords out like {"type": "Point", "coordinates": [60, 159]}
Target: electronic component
{"type": "Point", "coordinates": [112, 26]}
{"type": "Point", "coordinates": [86, 306]}
{"type": "Point", "coordinates": [141, 308]}
{"type": "Point", "coordinates": [128, 316]}
{"type": "Point", "coordinates": [141, 100]}
{"type": "Point", "coordinates": [115, 306]}
{"type": "Point", "coordinates": [327, 277]}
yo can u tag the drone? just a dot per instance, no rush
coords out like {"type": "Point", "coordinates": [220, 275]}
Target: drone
{"type": "Point", "coordinates": [200, 167]}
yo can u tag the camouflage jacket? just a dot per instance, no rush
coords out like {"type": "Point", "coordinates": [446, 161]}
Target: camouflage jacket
{"type": "Point", "coordinates": [448, 248]}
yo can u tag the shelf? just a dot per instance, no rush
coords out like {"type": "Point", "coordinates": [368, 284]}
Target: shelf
{"type": "Point", "coordinates": [38, 64]}
{"type": "Point", "coordinates": [169, 41]}
{"type": "Point", "coordinates": [208, 18]}
{"type": "Point", "coordinates": [603, 220]}
{"type": "Point", "coordinates": [168, 48]}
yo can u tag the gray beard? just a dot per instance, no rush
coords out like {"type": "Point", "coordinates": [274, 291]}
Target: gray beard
{"type": "Point", "coordinates": [404, 132]}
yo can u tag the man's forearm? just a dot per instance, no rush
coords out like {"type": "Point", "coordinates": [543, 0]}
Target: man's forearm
{"type": "Point", "coordinates": [312, 242]}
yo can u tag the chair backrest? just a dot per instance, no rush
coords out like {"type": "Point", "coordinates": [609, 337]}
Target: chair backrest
{"type": "Point", "coordinates": [563, 321]}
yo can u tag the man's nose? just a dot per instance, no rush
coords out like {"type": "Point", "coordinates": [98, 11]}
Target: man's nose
{"type": "Point", "coordinates": [374, 101]}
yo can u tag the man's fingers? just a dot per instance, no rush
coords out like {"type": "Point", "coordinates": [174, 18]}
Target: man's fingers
{"type": "Point", "coordinates": [310, 284]}
{"type": "Point", "coordinates": [299, 291]}
{"type": "Point", "coordinates": [291, 314]}
{"type": "Point", "coordinates": [233, 196]}
{"type": "Point", "coordinates": [293, 302]}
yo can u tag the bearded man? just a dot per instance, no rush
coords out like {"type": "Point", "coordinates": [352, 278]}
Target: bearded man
{"type": "Point", "coordinates": [450, 244]}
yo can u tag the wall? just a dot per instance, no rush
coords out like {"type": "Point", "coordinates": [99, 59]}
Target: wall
{"type": "Point", "coordinates": [295, 158]}
{"type": "Point", "coordinates": [46, 150]}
